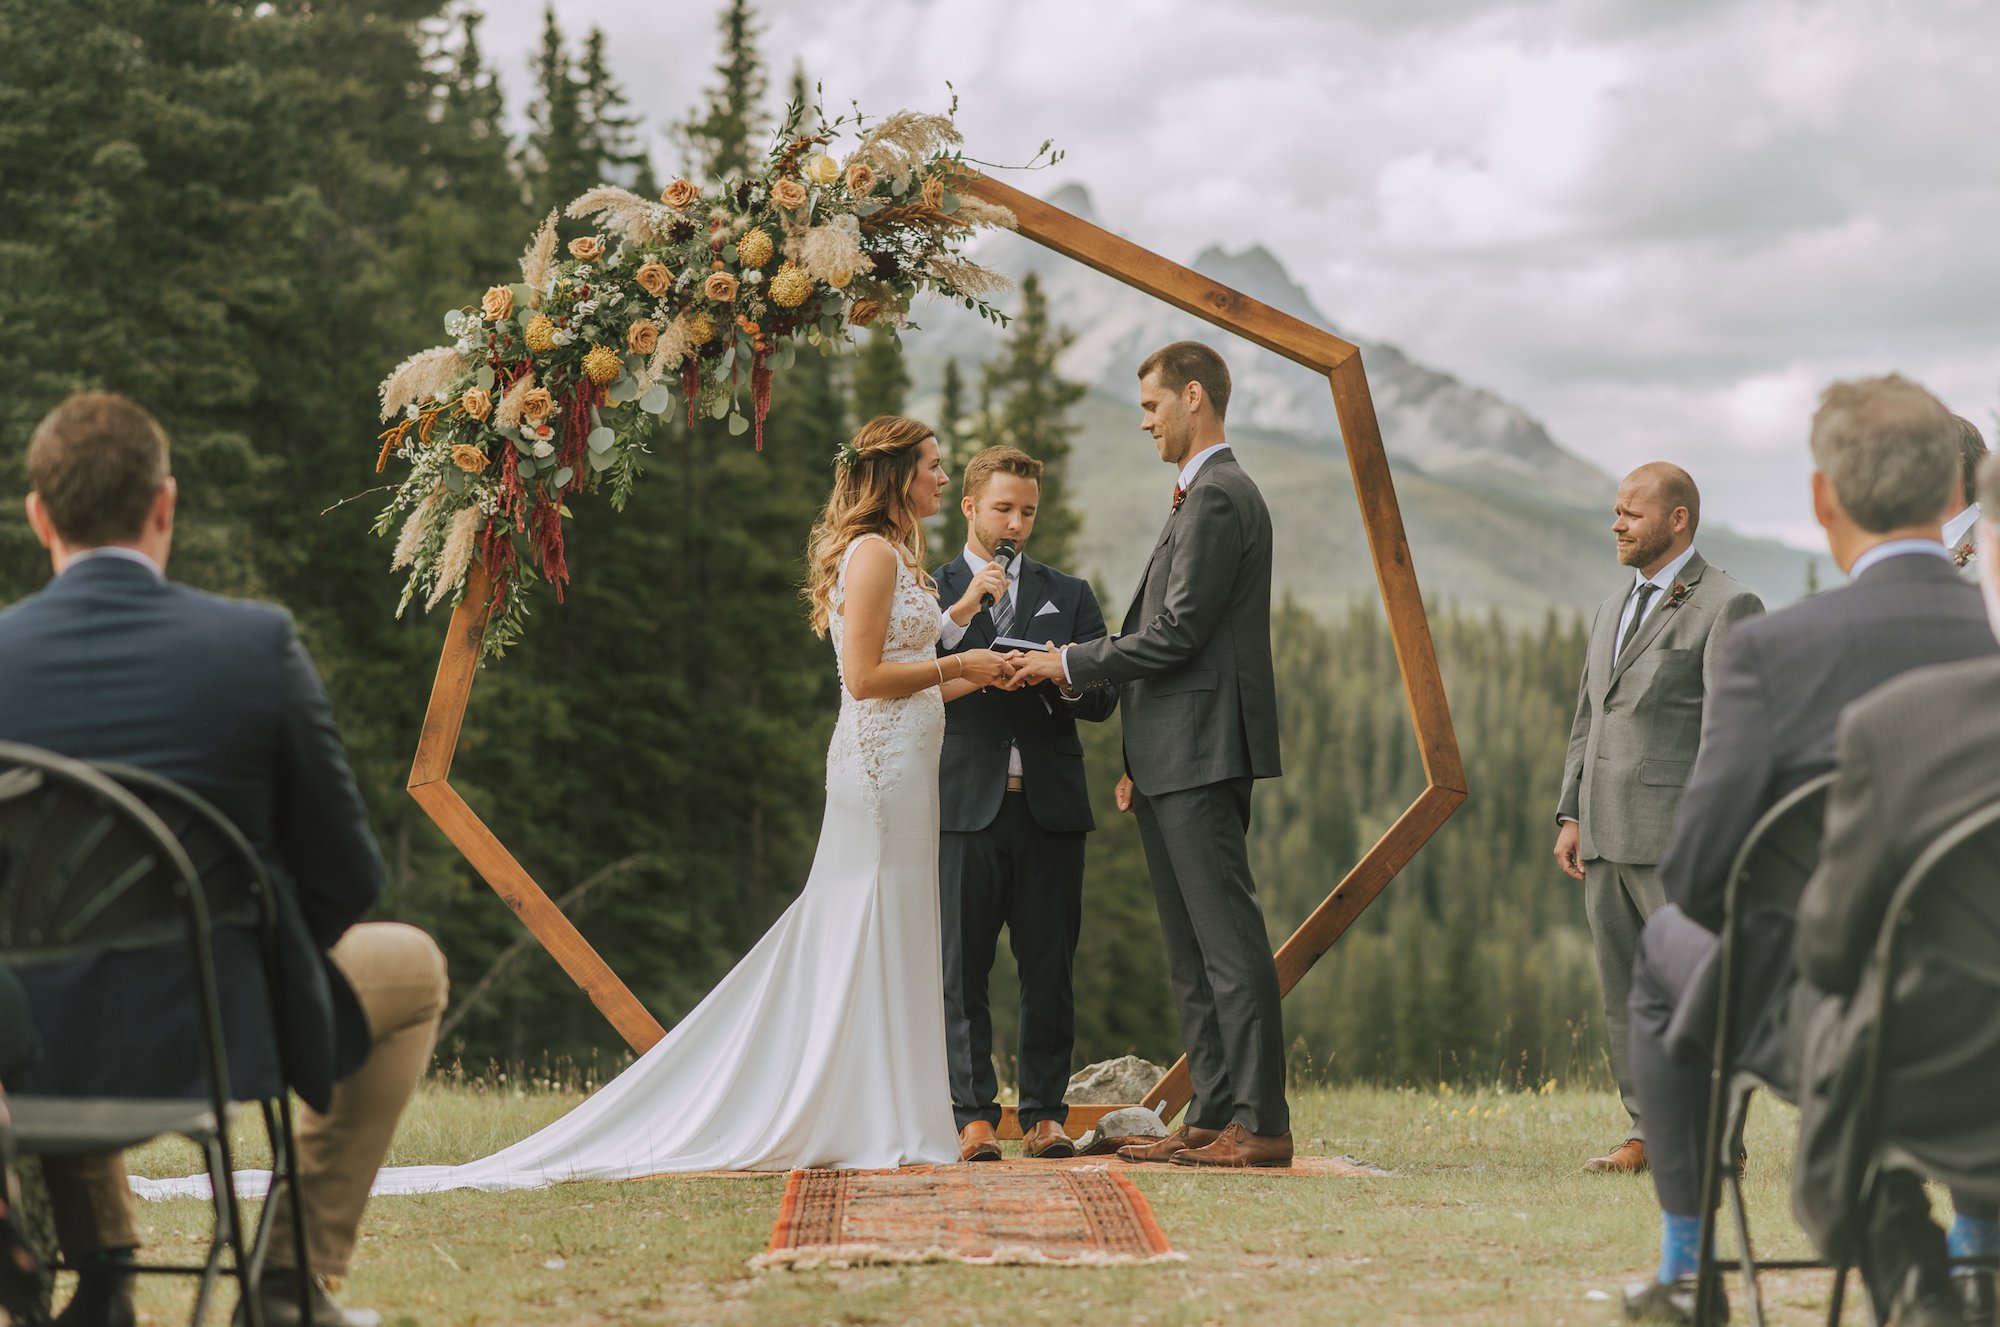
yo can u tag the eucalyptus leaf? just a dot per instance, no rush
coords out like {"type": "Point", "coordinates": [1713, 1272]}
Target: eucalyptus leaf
{"type": "Point", "coordinates": [728, 359]}
{"type": "Point", "coordinates": [602, 461]}
{"type": "Point", "coordinates": [523, 296]}
{"type": "Point", "coordinates": [787, 355]}
{"type": "Point", "coordinates": [618, 393]}
{"type": "Point", "coordinates": [738, 425]}
{"type": "Point", "coordinates": [482, 377]}
{"type": "Point", "coordinates": [950, 204]}
{"type": "Point", "coordinates": [601, 440]}
{"type": "Point", "coordinates": [656, 400]}
{"type": "Point", "coordinates": [454, 480]}
{"type": "Point", "coordinates": [523, 446]}
{"type": "Point", "coordinates": [720, 407]}
{"type": "Point", "coordinates": [563, 476]}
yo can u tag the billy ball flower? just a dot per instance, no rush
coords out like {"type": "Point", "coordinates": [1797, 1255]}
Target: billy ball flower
{"type": "Point", "coordinates": [790, 287]}
{"type": "Point", "coordinates": [540, 333]}
{"type": "Point", "coordinates": [701, 329]}
{"type": "Point", "coordinates": [754, 249]}
{"type": "Point", "coordinates": [602, 365]}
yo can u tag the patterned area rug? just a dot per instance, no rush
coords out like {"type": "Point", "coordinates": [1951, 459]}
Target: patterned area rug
{"type": "Point", "coordinates": [970, 1214]}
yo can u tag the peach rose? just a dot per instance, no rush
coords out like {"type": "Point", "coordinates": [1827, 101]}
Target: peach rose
{"type": "Point", "coordinates": [788, 193]}
{"type": "Point", "coordinates": [586, 248]}
{"type": "Point", "coordinates": [679, 194]}
{"type": "Point", "coordinates": [860, 180]}
{"type": "Point", "coordinates": [537, 405]}
{"type": "Point", "coordinates": [934, 193]}
{"type": "Point", "coordinates": [642, 337]}
{"type": "Point", "coordinates": [476, 403]}
{"type": "Point", "coordinates": [721, 287]}
{"type": "Point", "coordinates": [469, 458]}
{"type": "Point", "coordinates": [498, 303]}
{"type": "Point", "coordinates": [864, 312]}
{"type": "Point", "coordinates": [822, 169]}
{"type": "Point", "coordinates": [654, 279]}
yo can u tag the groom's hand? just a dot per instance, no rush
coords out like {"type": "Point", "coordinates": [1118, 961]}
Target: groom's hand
{"type": "Point", "coordinates": [1041, 666]}
{"type": "Point", "coordinates": [1122, 794]}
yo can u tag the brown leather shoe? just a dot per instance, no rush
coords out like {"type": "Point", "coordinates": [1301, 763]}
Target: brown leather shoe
{"type": "Point", "coordinates": [976, 1142]}
{"type": "Point", "coordinates": [1237, 1147]}
{"type": "Point", "coordinates": [1628, 1158]}
{"type": "Point", "coordinates": [1047, 1140]}
{"type": "Point", "coordinates": [1166, 1149]}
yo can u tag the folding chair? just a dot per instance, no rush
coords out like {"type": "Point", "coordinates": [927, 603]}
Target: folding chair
{"type": "Point", "coordinates": [1765, 881]}
{"type": "Point", "coordinates": [237, 890]}
{"type": "Point", "coordinates": [1956, 928]}
{"type": "Point", "coordinates": [86, 869]}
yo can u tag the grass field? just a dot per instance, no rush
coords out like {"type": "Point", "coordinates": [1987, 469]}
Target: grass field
{"type": "Point", "coordinates": [1486, 1218]}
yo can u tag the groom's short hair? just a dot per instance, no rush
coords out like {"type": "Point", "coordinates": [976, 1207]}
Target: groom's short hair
{"type": "Point", "coordinates": [1184, 362]}
{"type": "Point", "coordinates": [998, 461]}
{"type": "Point", "coordinates": [97, 461]}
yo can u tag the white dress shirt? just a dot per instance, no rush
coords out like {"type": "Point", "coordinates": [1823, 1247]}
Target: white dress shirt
{"type": "Point", "coordinates": [950, 633]}
{"type": "Point", "coordinates": [1896, 548]}
{"type": "Point", "coordinates": [1665, 580]}
{"type": "Point", "coordinates": [1959, 528]}
{"type": "Point", "coordinates": [116, 551]}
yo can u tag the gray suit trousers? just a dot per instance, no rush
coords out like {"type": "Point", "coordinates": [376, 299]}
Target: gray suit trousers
{"type": "Point", "coordinates": [1618, 899]}
{"type": "Point", "coordinates": [1225, 982]}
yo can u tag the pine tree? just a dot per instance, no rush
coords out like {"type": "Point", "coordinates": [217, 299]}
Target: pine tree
{"type": "Point", "coordinates": [881, 381]}
{"type": "Point", "coordinates": [720, 140]}
{"type": "Point", "coordinates": [1025, 403]}
{"type": "Point", "coordinates": [609, 125]}
{"type": "Point", "coordinates": [562, 152]}
{"type": "Point", "coordinates": [952, 441]}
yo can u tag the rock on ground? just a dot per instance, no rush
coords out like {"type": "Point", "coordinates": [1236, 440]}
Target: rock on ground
{"type": "Point", "coordinates": [1118, 1082]}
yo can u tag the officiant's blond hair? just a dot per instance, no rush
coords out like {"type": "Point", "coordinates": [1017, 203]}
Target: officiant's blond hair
{"type": "Point", "coordinates": [871, 495]}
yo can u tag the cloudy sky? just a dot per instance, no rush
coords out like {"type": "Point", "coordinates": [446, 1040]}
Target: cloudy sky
{"type": "Point", "coordinates": [1661, 226]}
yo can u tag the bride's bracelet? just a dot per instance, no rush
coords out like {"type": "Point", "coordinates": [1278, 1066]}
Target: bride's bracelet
{"type": "Point", "coordinates": [939, 661]}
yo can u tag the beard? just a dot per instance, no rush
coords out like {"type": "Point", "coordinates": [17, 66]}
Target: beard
{"type": "Point", "coordinates": [1641, 552]}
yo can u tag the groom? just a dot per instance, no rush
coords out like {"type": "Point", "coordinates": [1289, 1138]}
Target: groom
{"type": "Point", "coordinates": [1193, 668]}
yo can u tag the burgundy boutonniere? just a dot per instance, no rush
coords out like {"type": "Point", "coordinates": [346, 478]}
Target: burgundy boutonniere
{"type": "Point", "coordinates": [1180, 496]}
{"type": "Point", "coordinates": [1677, 595]}
{"type": "Point", "coordinates": [1964, 553]}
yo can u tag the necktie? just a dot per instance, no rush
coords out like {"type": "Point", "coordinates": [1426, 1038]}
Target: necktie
{"type": "Point", "coordinates": [1002, 612]}
{"type": "Point", "coordinates": [1646, 593]}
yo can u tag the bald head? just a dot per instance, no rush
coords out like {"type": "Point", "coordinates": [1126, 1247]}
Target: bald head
{"type": "Point", "coordinates": [1658, 510]}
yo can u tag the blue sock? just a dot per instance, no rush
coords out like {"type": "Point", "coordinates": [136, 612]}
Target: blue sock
{"type": "Point", "coordinates": [1973, 1237]}
{"type": "Point", "coordinates": [1680, 1238]}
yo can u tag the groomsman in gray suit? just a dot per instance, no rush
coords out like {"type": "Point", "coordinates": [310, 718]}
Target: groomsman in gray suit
{"type": "Point", "coordinates": [1192, 663]}
{"type": "Point", "coordinates": [1653, 650]}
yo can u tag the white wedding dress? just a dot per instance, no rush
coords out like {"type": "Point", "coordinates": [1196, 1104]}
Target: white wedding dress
{"type": "Point", "coordinates": [825, 1046]}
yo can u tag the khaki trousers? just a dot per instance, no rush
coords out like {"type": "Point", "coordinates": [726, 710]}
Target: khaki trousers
{"type": "Point", "coordinates": [399, 975]}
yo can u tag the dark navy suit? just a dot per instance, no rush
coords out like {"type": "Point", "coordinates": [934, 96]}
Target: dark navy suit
{"type": "Point", "coordinates": [110, 662]}
{"type": "Point", "coordinates": [1015, 859]}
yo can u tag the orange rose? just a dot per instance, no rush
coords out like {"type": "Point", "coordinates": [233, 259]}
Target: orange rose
{"type": "Point", "coordinates": [537, 405]}
{"type": "Point", "coordinates": [476, 403]}
{"type": "Point", "coordinates": [586, 248]}
{"type": "Point", "coordinates": [860, 180]}
{"type": "Point", "coordinates": [469, 458]}
{"type": "Point", "coordinates": [934, 193]}
{"type": "Point", "coordinates": [679, 194]}
{"type": "Point", "coordinates": [864, 312]}
{"type": "Point", "coordinates": [654, 279]}
{"type": "Point", "coordinates": [721, 287]}
{"type": "Point", "coordinates": [788, 193]}
{"type": "Point", "coordinates": [499, 302]}
{"type": "Point", "coordinates": [642, 337]}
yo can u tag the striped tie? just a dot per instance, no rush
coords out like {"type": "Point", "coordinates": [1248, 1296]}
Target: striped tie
{"type": "Point", "coordinates": [1002, 612]}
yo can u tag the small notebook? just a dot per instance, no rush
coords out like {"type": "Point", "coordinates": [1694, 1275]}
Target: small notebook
{"type": "Point", "coordinates": [1005, 643]}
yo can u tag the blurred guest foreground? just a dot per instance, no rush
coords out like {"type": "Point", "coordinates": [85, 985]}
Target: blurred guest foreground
{"type": "Point", "coordinates": [113, 662]}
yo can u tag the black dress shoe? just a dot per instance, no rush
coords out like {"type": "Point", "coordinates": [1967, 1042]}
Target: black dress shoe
{"type": "Point", "coordinates": [1670, 1305]}
{"type": "Point", "coordinates": [1923, 1298]}
{"type": "Point", "coordinates": [1975, 1296]}
{"type": "Point", "coordinates": [103, 1295]}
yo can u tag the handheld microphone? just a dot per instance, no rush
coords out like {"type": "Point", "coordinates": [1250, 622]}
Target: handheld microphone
{"type": "Point", "coordinates": [1004, 554]}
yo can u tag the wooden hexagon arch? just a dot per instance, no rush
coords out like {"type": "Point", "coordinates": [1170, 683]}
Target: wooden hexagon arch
{"type": "Point", "coordinates": [1409, 628]}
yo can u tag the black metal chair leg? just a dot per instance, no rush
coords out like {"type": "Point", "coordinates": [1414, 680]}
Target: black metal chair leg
{"type": "Point", "coordinates": [1837, 1295]}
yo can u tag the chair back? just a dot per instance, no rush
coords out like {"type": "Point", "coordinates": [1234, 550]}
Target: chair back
{"type": "Point", "coordinates": [1779, 854]}
{"type": "Point", "coordinates": [234, 883]}
{"type": "Point", "coordinates": [1946, 908]}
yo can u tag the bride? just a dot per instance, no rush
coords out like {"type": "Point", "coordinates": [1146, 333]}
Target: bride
{"type": "Point", "coordinates": [825, 1046]}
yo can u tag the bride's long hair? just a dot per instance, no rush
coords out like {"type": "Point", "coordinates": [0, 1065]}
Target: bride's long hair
{"type": "Point", "coordinates": [871, 495]}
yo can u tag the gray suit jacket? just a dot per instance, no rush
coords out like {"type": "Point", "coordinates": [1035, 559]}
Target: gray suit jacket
{"type": "Point", "coordinates": [1914, 758]}
{"type": "Point", "coordinates": [1638, 721]}
{"type": "Point", "coordinates": [1193, 659]}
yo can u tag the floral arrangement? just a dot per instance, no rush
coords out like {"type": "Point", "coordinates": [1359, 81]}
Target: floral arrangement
{"type": "Point", "coordinates": [548, 385]}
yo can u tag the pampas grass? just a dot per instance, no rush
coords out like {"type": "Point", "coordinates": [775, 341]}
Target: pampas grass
{"type": "Point", "coordinates": [965, 276]}
{"type": "Point", "coordinates": [456, 558]}
{"type": "Point", "coordinates": [824, 252]}
{"type": "Point", "coordinates": [538, 262]}
{"type": "Point", "coordinates": [507, 414]}
{"type": "Point", "coordinates": [979, 212]}
{"type": "Point", "coordinates": [426, 374]}
{"type": "Point", "coordinates": [675, 345]}
{"type": "Point", "coordinates": [903, 142]}
{"type": "Point", "coordinates": [412, 538]}
{"type": "Point", "coordinates": [622, 212]}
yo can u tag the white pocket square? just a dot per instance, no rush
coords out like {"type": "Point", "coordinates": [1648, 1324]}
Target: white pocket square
{"type": "Point", "coordinates": [1048, 607]}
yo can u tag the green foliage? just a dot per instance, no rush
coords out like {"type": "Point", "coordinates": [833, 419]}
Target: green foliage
{"type": "Point", "coordinates": [717, 140]}
{"type": "Point", "coordinates": [1025, 403]}
{"type": "Point", "coordinates": [957, 449]}
{"type": "Point", "coordinates": [881, 381]}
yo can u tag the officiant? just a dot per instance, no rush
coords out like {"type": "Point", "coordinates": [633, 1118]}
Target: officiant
{"type": "Point", "coordinates": [1014, 809]}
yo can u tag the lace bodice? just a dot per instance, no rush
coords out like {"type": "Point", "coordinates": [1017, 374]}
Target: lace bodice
{"type": "Point", "coordinates": [871, 734]}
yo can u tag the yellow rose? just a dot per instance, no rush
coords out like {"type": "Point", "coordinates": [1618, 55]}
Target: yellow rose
{"type": "Point", "coordinates": [822, 169]}
{"type": "Point", "coordinates": [754, 249]}
{"type": "Point", "coordinates": [586, 248]}
{"type": "Point", "coordinates": [679, 194]}
{"type": "Point", "coordinates": [499, 302]}
{"type": "Point", "coordinates": [468, 458]}
{"type": "Point", "coordinates": [721, 287]}
{"type": "Point", "coordinates": [701, 329]}
{"type": "Point", "coordinates": [643, 337]}
{"type": "Point", "coordinates": [860, 180]}
{"type": "Point", "coordinates": [476, 403]}
{"type": "Point", "coordinates": [788, 193]}
{"type": "Point", "coordinates": [539, 333]}
{"type": "Point", "coordinates": [602, 365]}
{"type": "Point", "coordinates": [864, 312]}
{"type": "Point", "coordinates": [654, 279]}
{"type": "Point", "coordinates": [934, 193]}
{"type": "Point", "coordinates": [537, 405]}
{"type": "Point", "coordinates": [840, 279]}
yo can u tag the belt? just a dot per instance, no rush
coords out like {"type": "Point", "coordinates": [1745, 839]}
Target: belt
{"type": "Point", "coordinates": [1013, 783]}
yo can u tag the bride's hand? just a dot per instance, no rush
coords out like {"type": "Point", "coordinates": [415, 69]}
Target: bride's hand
{"type": "Point", "coordinates": [983, 667]}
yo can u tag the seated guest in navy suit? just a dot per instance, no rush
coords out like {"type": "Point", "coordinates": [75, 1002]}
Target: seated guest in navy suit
{"type": "Point", "coordinates": [1013, 812]}
{"type": "Point", "coordinates": [113, 662]}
